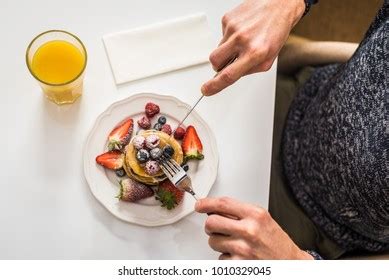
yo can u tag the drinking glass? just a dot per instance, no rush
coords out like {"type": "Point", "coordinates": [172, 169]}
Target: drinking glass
{"type": "Point", "coordinates": [70, 87]}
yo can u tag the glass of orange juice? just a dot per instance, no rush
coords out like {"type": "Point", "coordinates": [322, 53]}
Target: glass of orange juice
{"type": "Point", "coordinates": [57, 59]}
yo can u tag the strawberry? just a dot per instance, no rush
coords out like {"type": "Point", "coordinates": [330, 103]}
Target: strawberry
{"type": "Point", "coordinates": [167, 129]}
{"type": "Point", "coordinates": [151, 109]}
{"type": "Point", "coordinates": [191, 145]}
{"type": "Point", "coordinates": [133, 191]}
{"type": "Point", "coordinates": [179, 133]}
{"type": "Point", "coordinates": [120, 135]}
{"type": "Point", "coordinates": [169, 195]}
{"type": "Point", "coordinates": [111, 160]}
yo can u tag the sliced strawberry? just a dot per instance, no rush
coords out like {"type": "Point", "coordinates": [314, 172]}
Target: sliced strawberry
{"type": "Point", "coordinates": [169, 195]}
{"type": "Point", "coordinates": [120, 135]}
{"type": "Point", "coordinates": [191, 145]}
{"type": "Point", "coordinates": [133, 191]}
{"type": "Point", "coordinates": [111, 160]}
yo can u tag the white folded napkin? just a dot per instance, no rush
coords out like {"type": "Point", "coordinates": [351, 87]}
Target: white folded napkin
{"type": "Point", "coordinates": [158, 48]}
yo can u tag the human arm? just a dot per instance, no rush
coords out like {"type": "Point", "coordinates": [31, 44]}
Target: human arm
{"type": "Point", "coordinates": [243, 231]}
{"type": "Point", "coordinates": [254, 32]}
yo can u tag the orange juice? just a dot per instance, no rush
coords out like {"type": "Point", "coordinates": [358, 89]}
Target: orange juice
{"type": "Point", "coordinates": [57, 62]}
{"type": "Point", "coordinates": [57, 59]}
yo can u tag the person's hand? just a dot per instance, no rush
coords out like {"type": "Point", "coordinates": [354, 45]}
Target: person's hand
{"type": "Point", "coordinates": [254, 33]}
{"type": "Point", "coordinates": [244, 231]}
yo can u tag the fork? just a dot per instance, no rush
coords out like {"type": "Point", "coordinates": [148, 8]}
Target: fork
{"type": "Point", "coordinates": [177, 175]}
{"type": "Point", "coordinates": [173, 171]}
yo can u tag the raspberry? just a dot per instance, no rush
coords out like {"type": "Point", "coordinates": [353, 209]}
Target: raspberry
{"type": "Point", "coordinates": [167, 129]}
{"type": "Point", "coordinates": [139, 142]}
{"type": "Point", "coordinates": [152, 167]}
{"type": "Point", "coordinates": [151, 109]}
{"type": "Point", "coordinates": [152, 141]}
{"type": "Point", "coordinates": [179, 133]}
{"type": "Point", "coordinates": [144, 122]}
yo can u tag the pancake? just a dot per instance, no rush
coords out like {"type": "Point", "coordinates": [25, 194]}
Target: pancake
{"type": "Point", "coordinates": [136, 171]}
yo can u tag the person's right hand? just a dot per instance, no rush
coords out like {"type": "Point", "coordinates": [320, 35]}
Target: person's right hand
{"type": "Point", "coordinates": [254, 32]}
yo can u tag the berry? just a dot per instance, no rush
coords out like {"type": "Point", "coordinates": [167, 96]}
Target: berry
{"type": "Point", "coordinates": [191, 145]}
{"type": "Point", "coordinates": [120, 135]}
{"type": "Point", "coordinates": [169, 195]}
{"type": "Point", "coordinates": [111, 160]}
{"type": "Point", "coordinates": [152, 167]}
{"type": "Point", "coordinates": [120, 172]}
{"type": "Point", "coordinates": [152, 141]}
{"type": "Point", "coordinates": [186, 167]}
{"type": "Point", "coordinates": [167, 129]}
{"type": "Point", "coordinates": [151, 109]}
{"type": "Point", "coordinates": [179, 133]}
{"type": "Point", "coordinates": [156, 153]}
{"type": "Point", "coordinates": [139, 142]}
{"type": "Point", "coordinates": [144, 122]}
{"type": "Point", "coordinates": [162, 120]}
{"type": "Point", "coordinates": [142, 156]}
{"type": "Point", "coordinates": [158, 126]}
{"type": "Point", "coordinates": [168, 151]}
{"type": "Point", "coordinates": [133, 191]}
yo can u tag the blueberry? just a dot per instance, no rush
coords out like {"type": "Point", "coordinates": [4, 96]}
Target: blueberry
{"type": "Point", "coordinates": [156, 153]}
{"type": "Point", "coordinates": [168, 151]}
{"type": "Point", "coordinates": [186, 167]}
{"type": "Point", "coordinates": [162, 120]}
{"type": "Point", "coordinates": [120, 172]}
{"type": "Point", "coordinates": [158, 126]}
{"type": "Point", "coordinates": [142, 156]}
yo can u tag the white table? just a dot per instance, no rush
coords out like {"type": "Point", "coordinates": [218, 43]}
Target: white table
{"type": "Point", "coordinates": [46, 208]}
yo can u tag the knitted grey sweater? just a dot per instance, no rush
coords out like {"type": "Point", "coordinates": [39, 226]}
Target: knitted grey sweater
{"type": "Point", "coordinates": [335, 145]}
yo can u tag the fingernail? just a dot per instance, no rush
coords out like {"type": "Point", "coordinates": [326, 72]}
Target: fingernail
{"type": "Point", "coordinates": [197, 205]}
{"type": "Point", "coordinates": [204, 90]}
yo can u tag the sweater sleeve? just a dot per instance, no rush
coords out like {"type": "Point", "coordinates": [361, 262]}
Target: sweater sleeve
{"type": "Point", "coordinates": [316, 256]}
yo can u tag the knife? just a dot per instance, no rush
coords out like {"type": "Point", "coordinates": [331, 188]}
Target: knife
{"type": "Point", "coordinates": [201, 97]}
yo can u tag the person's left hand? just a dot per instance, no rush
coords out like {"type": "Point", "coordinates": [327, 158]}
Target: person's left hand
{"type": "Point", "coordinates": [244, 231]}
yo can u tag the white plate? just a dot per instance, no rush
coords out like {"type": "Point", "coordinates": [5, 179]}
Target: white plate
{"type": "Point", "coordinates": [104, 183]}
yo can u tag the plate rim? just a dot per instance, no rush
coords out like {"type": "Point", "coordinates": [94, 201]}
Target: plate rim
{"type": "Point", "coordinates": [107, 112]}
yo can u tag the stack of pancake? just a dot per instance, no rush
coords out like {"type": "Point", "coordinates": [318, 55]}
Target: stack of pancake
{"type": "Point", "coordinates": [136, 171]}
